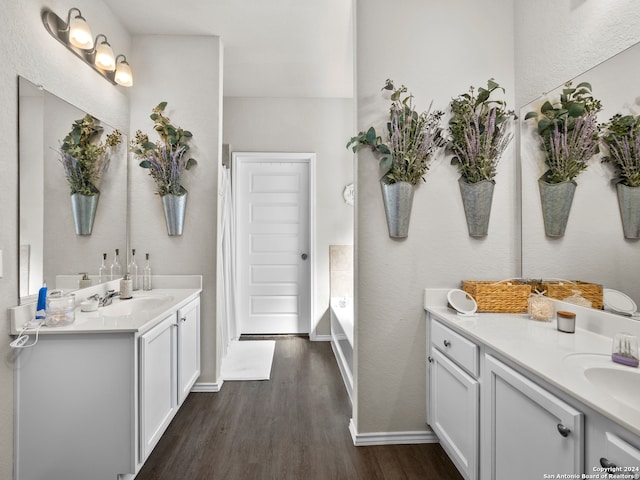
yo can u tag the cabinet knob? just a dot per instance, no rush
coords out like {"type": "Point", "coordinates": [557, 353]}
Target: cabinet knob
{"type": "Point", "coordinates": [610, 466]}
{"type": "Point", "coordinates": [183, 319]}
{"type": "Point", "coordinates": [564, 431]}
{"type": "Point", "coordinates": [429, 359]}
{"type": "Point", "coordinates": [447, 343]}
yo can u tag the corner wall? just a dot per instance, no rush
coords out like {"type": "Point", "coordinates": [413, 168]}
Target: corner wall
{"type": "Point", "coordinates": [29, 50]}
{"type": "Point", "coordinates": [185, 72]}
{"type": "Point", "coordinates": [437, 52]}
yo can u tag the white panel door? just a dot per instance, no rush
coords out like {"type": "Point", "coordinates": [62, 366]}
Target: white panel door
{"type": "Point", "coordinates": [273, 260]}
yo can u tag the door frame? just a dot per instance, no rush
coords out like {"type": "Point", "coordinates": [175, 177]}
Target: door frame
{"type": "Point", "coordinates": [302, 157]}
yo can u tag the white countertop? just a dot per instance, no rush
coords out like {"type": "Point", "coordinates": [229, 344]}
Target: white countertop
{"type": "Point", "coordinates": [548, 354]}
{"type": "Point", "coordinates": [162, 302]}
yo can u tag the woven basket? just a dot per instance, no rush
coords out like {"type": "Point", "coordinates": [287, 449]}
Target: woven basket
{"type": "Point", "coordinates": [561, 290]}
{"type": "Point", "coordinates": [499, 297]}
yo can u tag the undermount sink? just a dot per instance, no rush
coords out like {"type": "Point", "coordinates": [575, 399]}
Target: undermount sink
{"type": "Point", "coordinates": [618, 381]}
{"type": "Point", "coordinates": [135, 305]}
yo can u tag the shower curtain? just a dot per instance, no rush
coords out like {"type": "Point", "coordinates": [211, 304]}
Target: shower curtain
{"type": "Point", "coordinates": [226, 273]}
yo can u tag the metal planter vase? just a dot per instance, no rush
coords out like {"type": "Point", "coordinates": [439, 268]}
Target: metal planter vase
{"type": "Point", "coordinates": [174, 207]}
{"type": "Point", "coordinates": [398, 200]}
{"type": "Point", "coordinates": [476, 199]}
{"type": "Point", "coordinates": [556, 200]}
{"type": "Point", "coordinates": [84, 212]}
{"type": "Point", "coordinates": [629, 203]}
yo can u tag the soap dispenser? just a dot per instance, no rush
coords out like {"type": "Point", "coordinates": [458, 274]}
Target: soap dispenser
{"type": "Point", "coordinates": [126, 287]}
{"type": "Point", "coordinates": [85, 281]}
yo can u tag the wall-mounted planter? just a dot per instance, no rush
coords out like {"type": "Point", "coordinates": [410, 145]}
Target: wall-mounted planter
{"type": "Point", "coordinates": [174, 207]}
{"type": "Point", "coordinates": [84, 212]}
{"type": "Point", "coordinates": [476, 199]}
{"type": "Point", "coordinates": [556, 200]}
{"type": "Point", "coordinates": [398, 200]}
{"type": "Point", "coordinates": [629, 203]}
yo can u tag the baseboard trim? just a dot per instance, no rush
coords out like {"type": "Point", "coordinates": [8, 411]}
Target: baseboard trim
{"type": "Point", "coordinates": [320, 338]}
{"type": "Point", "coordinates": [207, 387]}
{"type": "Point", "coordinates": [390, 438]}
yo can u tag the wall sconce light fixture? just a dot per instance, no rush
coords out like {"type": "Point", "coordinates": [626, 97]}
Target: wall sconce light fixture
{"type": "Point", "coordinates": [75, 34]}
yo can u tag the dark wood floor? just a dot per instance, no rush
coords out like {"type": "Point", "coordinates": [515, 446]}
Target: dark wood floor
{"type": "Point", "coordinates": [294, 426]}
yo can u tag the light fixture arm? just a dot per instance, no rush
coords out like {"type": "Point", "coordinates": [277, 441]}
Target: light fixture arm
{"type": "Point", "coordinates": [66, 28]}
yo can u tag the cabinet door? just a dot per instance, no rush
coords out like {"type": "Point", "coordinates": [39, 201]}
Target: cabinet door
{"type": "Point", "coordinates": [454, 404]}
{"type": "Point", "coordinates": [188, 348]}
{"type": "Point", "coordinates": [609, 453]}
{"type": "Point", "coordinates": [157, 382]}
{"type": "Point", "coordinates": [527, 432]}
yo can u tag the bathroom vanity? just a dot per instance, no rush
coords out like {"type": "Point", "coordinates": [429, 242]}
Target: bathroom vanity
{"type": "Point", "coordinates": [510, 397]}
{"type": "Point", "coordinates": [93, 398]}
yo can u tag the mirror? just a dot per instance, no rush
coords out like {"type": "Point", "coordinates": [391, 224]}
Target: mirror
{"type": "Point", "coordinates": [49, 246]}
{"type": "Point", "coordinates": [462, 302]}
{"type": "Point", "coordinates": [593, 248]}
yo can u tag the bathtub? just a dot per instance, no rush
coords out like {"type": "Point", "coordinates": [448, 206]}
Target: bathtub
{"type": "Point", "coordinates": [342, 338]}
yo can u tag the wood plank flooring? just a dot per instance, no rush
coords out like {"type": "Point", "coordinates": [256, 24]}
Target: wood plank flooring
{"type": "Point", "coordinates": [294, 426]}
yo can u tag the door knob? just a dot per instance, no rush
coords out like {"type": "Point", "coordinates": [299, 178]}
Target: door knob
{"type": "Point", "coordinates": [304, 256]}
{"type": "Point", "coordinates": [564, 431]}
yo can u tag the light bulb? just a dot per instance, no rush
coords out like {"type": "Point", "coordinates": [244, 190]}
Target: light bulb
{"type": "Point", "coordinates": [105, 58]}
{"type": "Point", "coordinates": [123, 75]}
{"type": "Point", "coordinates": [79, 33]}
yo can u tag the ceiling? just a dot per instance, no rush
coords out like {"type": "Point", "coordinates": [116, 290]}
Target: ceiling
{"type": "Point", "coordinates": [281, 48]}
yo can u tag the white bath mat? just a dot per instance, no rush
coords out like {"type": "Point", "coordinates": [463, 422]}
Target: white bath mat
{"type": "Point", "coordinates": [248, 360]}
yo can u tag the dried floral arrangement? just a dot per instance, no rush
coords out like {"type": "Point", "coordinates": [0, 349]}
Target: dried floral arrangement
{"type": "Point", "coordinates": [621, 136]}
{"type": "Point", "coordinates": [412, 138]}
{"type": "Point", "coordinates": [569, 132]}
{"type": "Point", "coordinates": [166, 159]}
{"type": "Point", "coordinates": [84, 157]}
{"type": "Point", "coordinates": [479, 132]}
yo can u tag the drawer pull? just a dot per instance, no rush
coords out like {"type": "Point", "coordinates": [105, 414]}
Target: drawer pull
{"type": "Point", "coordinates": [447, 343]}
{"type": "Point", "coordinates": [610, 466]}
{"type": "Point", "coordinates": [564, 431]}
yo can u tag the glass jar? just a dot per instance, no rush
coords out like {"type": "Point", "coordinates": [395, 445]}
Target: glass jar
{"type": "Point", "coordinates": [540, 307]}
{"type": "Point", "coordinates": [59, 309]}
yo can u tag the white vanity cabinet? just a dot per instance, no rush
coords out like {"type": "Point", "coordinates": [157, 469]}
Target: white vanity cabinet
{"type": "Point", "coordinates": [169, 366]}
{"type": "Point", "coordinates": [611, 449]}
{"type": "Point", "coordinates": [92, 403]}
{"type": "Point", "coordinates": [158, 382]}
{"type": "Point", "coordinates": [534, 421]}
{"type": "Point", "coordinates": [453, 408]}
{"type": "Point", "coordinates": [188, 348]}
{"type": "Point", "coordinates": [526, 431]}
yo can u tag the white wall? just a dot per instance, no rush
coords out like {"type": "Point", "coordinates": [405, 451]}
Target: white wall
{"type": "Point", "coordinates": [437, 52]}
{"type": "Point", "coordinates": [319, 125]}
{"type": "Point", "coordinates": [185, 72]}
{"type": "Point", "coordinates": [29, 50]}
{"type": "Point", "coordinates": [555, 41]}
{"type": "Point", "coordinates": [526, 47]}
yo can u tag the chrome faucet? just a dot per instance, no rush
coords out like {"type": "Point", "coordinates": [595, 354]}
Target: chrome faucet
{"type": "Point", "coordinates": [108, 298]}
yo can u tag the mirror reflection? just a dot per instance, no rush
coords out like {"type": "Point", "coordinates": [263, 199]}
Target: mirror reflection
{"type": "Point", "coordinates": [593, 248]}
{"type": "Point", "coordinates": [49, 244]}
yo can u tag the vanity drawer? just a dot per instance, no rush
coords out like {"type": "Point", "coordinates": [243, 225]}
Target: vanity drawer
{"type": "Point", "coordinates": [456, 347]}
